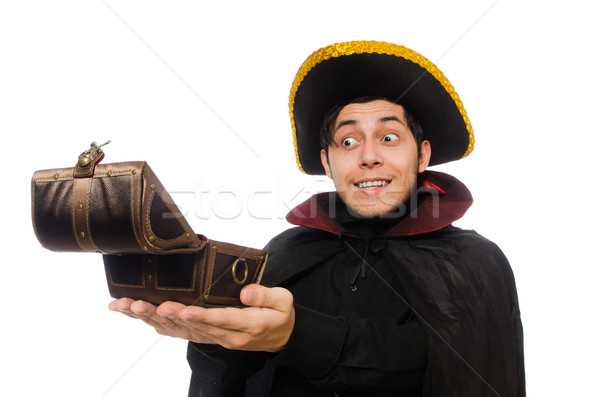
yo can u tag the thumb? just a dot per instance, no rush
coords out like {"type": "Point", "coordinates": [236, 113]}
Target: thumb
{"type": "Point", "coordinates": [274, 298]}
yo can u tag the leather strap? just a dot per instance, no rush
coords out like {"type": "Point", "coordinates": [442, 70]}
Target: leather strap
{"type": "Point", "coordinates": [81, 209]}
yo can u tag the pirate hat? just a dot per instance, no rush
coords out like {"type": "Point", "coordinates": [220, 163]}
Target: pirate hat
{"type": "Point", "coordinates": [341, 72]}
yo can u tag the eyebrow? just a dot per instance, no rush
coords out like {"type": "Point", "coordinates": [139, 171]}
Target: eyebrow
{"type": "Point", "coordinates": [381, 120]}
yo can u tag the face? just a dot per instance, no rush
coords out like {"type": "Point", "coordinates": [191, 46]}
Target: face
{"type": "Point", "coordinates": [374, 159]}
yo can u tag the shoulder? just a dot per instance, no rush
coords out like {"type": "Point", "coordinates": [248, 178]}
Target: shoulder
{"type": "Point", "coordinates": [472, 261]}
{"type": "Point", "coordinates": [462, 248]}
{"type": "Point", "coordinates": [459, 239]}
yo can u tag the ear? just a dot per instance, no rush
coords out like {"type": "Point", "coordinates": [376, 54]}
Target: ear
{"type": "Point", "coordinates": [425, 156]}
{"type": "Point", "coordinates": [325, 162]}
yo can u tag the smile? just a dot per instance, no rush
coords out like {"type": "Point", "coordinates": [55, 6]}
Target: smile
{"type": "Point", "coordinates": [371, 184]}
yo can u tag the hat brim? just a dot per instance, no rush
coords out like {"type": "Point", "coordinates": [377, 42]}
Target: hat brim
{"type": "Point", "coordinates": [345, 71]}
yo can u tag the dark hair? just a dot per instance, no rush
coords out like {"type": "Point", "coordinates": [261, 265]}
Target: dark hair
{"type": "Point", "coordinates": [326, 134]}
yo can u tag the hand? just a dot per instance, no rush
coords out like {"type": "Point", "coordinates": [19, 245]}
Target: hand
{"type": "Point", "coordinates": [266, 325]}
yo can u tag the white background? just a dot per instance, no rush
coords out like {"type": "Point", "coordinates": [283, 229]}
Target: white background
{"type": "Point", "coordinates": [200, 91]}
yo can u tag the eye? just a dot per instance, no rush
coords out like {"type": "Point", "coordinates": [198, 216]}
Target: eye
{"type": "Point", "coordinates": [349, 142]}
{"type": "Point", "coordinates": [390, 137]}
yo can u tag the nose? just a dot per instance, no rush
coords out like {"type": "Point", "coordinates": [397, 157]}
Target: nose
{"type": "Point", "coordinates": [370, 156]}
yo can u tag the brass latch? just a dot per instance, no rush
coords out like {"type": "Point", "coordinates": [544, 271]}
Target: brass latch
{"type": "Point", "coordinates": [86, 163]}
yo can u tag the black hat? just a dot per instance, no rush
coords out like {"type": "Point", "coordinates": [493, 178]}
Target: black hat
{"type": "Point", "coordinates": [344, 71]}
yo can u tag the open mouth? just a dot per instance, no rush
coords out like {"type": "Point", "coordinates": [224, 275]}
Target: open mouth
{"type": "Point", "coordinates": [371, 184]}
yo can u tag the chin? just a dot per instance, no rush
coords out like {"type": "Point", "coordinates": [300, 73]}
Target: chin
{"type": "Point", "coordinates": [374, 211]}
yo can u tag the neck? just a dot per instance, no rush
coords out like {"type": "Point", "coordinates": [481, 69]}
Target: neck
{"type": "Point", "coordinates": [367, 225]}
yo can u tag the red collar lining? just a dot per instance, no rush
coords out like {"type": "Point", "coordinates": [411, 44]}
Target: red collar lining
{"type": "Point", "coordinates": [447, 200]}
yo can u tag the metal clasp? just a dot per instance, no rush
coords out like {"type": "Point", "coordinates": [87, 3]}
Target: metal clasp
{"type": "Point", "coordinates": [92, 154]}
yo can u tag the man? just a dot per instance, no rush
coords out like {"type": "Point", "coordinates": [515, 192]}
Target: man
{"type": "Point", "coordinates": [374, 293]}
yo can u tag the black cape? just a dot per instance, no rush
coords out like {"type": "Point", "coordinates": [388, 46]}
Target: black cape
{"type": "Point", "coordinates": [459, 284]}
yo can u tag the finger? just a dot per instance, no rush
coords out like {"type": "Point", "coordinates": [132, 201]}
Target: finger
{"type": "Point", "coordinates": [279, 299]}
{"type": "Point", "coordinates": [142, 307]}
{"type": "Point", "coordinates": [171, 309]}
{"type": "Point", "coordinates": [140, 310]}
{"type": "Point", "coordinates": [162, 323]}
{"type": "Point", "coordinates": [120, 305]}
{"type": "Point", "coordinates": [148, 313]}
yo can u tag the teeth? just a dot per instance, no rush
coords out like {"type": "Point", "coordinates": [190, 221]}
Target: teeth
{"type": "Point", "coordinates": [371, 184]}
